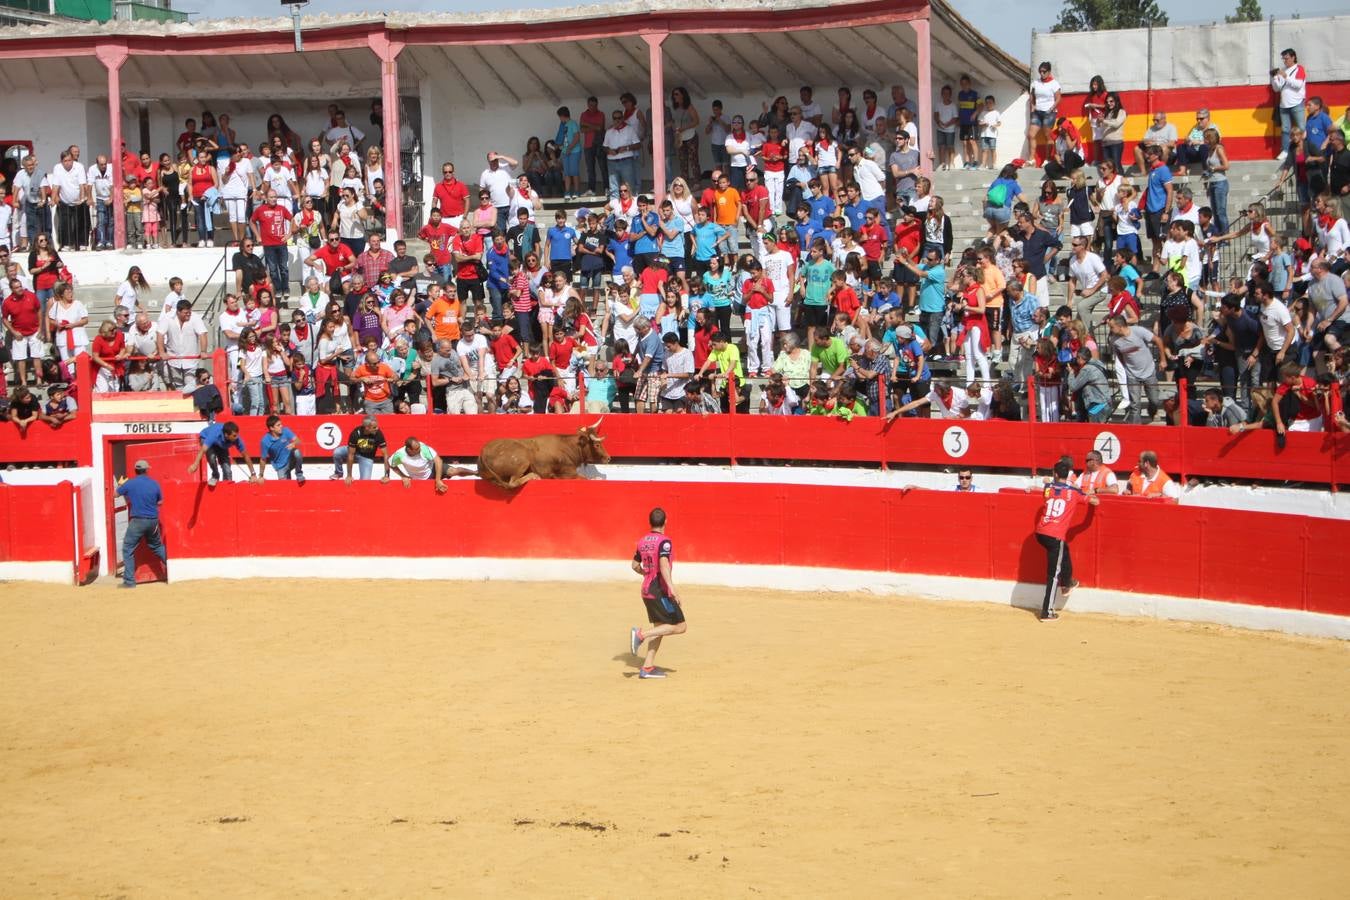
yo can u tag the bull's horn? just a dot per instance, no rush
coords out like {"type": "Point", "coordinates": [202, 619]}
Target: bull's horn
{"type": "Point", "coordinates": [596, 426]}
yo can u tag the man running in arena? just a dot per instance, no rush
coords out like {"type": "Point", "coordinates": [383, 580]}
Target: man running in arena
{"type": "Point", "coordinates": [1062, 504]}
{"type": "Point", "coordinates": [653, 562]}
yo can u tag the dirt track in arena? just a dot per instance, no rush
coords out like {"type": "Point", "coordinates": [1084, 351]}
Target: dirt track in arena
{"type": "Point", "coordinates": [419, 739]}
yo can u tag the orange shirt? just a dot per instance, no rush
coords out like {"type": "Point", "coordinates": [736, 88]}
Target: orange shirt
{"type": "Point", "coordinates": [444, 316]}
{"type": "Point", "coordinates": [376, 391]}
{"type": "Point", "coordinates": [727, 206]}
{"type": "Point", "coordinates": [993, 282]}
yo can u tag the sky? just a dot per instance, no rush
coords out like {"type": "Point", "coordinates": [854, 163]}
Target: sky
{"type": "Point", "coordinates": [990, 16]}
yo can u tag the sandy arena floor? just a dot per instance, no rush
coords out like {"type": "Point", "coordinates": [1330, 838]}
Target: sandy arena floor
{"type": "Point", "coordinates": [418, 739]}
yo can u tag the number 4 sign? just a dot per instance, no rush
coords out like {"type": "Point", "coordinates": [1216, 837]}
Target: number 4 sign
{"type": "Point", "coordinates": [1108, 445]}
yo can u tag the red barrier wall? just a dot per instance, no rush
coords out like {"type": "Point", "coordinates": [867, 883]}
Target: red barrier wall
{"type": "Point", "coordinates": [1314, 458]}
{"type": "Point", "coordinates": [1128, 544]}
{"type": "Point", "coordinates": [37, 523]}
{"type": "Point", "coordinates": [70, 443]}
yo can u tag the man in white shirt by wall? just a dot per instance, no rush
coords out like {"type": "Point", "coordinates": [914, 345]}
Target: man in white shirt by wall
{"type": "Point", "coordinates": [497, 181]}
{"type": "Point", "coordinates": [621, 144]}
{"type": "Point", "coordinates": [1089, 276]}
{"type": "Point", "coordinates": [71, 185]}
{"type": "Point", "coordinates": [100, 177]}
{"type": "Point", "coordinates": [183, 335]}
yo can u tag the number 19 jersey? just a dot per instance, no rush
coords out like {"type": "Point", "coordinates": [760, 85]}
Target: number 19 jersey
{"type": "Point", "coordinates": [1060, 510]}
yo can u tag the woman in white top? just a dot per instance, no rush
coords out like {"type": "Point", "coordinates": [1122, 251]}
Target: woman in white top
{"type": "Point", "coordinates": [66, 318]}
{"type": "Point", "coordinates": [1104, 198]}
{"type": "Point", "coordinates": [374, 169]}
{"type": "Point", "coordinates": [129, 291]}
{"type": "Point", "coordinates": [825, 157]}
{"type": "Point", "coordinates": [315, 184]}
{"type": "Point", "coordinates": [349, 220]}
{"type": "Point", "coordinates": [683, 202]}
{"type": "Point", "coordinates": [1258, 226]}
{"type": "Point", "coordinates": [237, 180]}
{"type": "Point", "coordinates": [556, 292]}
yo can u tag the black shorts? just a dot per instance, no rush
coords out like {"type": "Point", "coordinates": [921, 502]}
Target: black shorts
{"type": "Point", "coordinates": [471, 289]}
{"type": "Point", "coordinates": [1154, 226]}
{"type": "Point", "coordinates": [818, 316]}
{"type": "Point", "coordinates": [967, 132]}
{"type": "Point", "coordinates": [663, 611]}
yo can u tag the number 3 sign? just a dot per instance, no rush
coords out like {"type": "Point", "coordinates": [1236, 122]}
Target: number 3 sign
{"type": "Point", "coordinates": [328, 436]}
{"type": "Point", "coordinates": [955, 442]}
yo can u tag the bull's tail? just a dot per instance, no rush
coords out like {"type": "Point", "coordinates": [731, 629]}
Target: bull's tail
{"type": "Point", "coordinates": [459, 472]}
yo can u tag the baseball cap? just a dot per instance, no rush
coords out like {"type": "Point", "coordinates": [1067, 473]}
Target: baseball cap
{"type": "Point", "coordinates": [1018, 163]}
{"type": "Point", "coordinates": [142, 465]}
{"type": "Point", "coordinates": [904, 333]}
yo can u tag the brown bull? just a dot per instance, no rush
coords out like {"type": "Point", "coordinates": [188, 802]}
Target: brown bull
{"type": "Point", "coordinates": [511, 462]}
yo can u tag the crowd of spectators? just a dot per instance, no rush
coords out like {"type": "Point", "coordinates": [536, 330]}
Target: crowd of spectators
{"type": "Point", "coordinates": [814, 230]}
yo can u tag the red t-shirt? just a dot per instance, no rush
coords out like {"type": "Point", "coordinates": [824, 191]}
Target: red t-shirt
{"type": "Point", "coordinates": [651, 279]}
{"type": "Point", "coordinates": [473, 245]}
{"type": "Point", "coordinates": [334, 258]}
{"type": "Point", "coordinates": [106, 349]}
{"type": "Point", "coordinates": [908, 235]}
{"type": "Point", "coordinates": [561, 352]}
{"type": "Point", "coordinates": [23, 311]}
{"type": "Point", "coordinates": [1307, 400]}
{"type": "Point", "coordinates": [438, 239]}
{"type": "Point", "coordinates": [596, 119]}
{"type": "Point", "coordinates": [758, 293]}
{"type": "Point", "coordinates": [708, 200]}
{"type": "Point", "coordinates": [1121, 302]}
{"type": "Point", "coordinates": [1061, 508]}
{"type": "Point", "coordinates": [846, 301]}
{"type": "Point", "coordinates": [537, 367]}
{"type": "Point", "coordinates": [774, 155]}
{"type": "Point", "coordinates": [453, 197]}
{"type": "Point", "coordinates": [504, 350]}
{"type": "Point", "coordinates": [873, 240]}
{"type": "Point", "coordinates": [756, 203]}
{"type": "Point", "coordinates": [271, 222]}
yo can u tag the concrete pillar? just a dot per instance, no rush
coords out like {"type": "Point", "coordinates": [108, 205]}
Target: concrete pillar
{"type": "Point", "coordinates": [926, 102]}
{"type": "Point", "coordinates": [658, 123]}
{"type": "Point", "coordinates": [113, 55]}
{"type": "Point", "coordinates": [387, 51]}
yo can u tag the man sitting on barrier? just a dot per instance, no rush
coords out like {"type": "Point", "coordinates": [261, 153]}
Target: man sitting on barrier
{"type": "Point", "coordinates": [216, 440]}
{"type": "Point", "coordinates": [1295, 406]}
{"type": "Point", "coordinates": [365, 442]}
{"type": "Point", "coordinates": [416, 461]}
{"type": "Point", "coordinates": [1149, 480]}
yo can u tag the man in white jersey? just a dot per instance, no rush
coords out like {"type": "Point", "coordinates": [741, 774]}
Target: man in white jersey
{"type": "Point", "coordinates": [416, 461]}
{"type": "Point", "coordinates": [781, 270]}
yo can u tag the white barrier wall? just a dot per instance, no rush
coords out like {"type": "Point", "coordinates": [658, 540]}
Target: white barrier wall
{"type": "Point", "coordinates": [1195, 56]}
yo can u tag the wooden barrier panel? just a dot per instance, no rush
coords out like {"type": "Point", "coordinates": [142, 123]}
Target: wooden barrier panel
{"type": "Point", "coordinates": [37, 523]}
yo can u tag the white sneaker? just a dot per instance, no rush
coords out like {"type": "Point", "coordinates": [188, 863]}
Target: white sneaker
{"type": "Point", "coordinates": [1283, 154]}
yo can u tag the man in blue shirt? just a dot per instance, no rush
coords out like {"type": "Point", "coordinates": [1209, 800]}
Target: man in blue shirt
{"type": "Point", "coordinates": [932, 292]}
{"type": "Point", "coordinates": [1318, 127]}
{"type": "Point", "coordinates": [1157, 200]}
{"type": "Point", "coordinates": [216, 440]}
{"type": "Point", "coordinates": [620, 247]}
{"type": "Point", "coordinates": [855, 210]}
{"type": "Point", "coordinates": [820, 204]}
{"type": "Point", "coordinates": [560, 243]}
{"type": "Point", "coordinates": [648, 244]}
{"type": "Point", "coordinates": [143, 500]}
{"type": "Point", "coordinates": [281, 448]}
{"type": "Point", "coordinates": [706, 235]}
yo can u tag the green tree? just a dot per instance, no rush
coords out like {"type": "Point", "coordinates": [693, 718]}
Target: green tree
{"type": "Point", "coordinates": [1107, 15]}
{"type": "Point", "coordinates": [1247, 11]}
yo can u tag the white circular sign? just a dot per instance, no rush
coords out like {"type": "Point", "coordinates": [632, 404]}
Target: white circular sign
{"type": "Point", "coordinates": [955, 441]}
{"type": "Point", "coordinates": [1108, 445]}
{"type": "Point", "coordinates": [328, 435]}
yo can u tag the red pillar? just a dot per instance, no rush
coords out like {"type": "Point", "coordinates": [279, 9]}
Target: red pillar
{"type": "Point", "coordinates": [925, 101]}
{"type": "Point", "coordinates": [388, 50]}
{"type": "Point", "coordinates": [658, 123]}
{"type": "Point", "coordinates": [113, 55]}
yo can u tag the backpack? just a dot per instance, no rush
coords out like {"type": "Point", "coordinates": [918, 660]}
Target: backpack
{"type": "Point", "coordinates": [998, 194]}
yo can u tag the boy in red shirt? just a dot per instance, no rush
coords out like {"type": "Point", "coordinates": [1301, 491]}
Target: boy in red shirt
{"type": "Point", "coordinates": [872, 237]}
{"type": "Point", "coordinates": [1123, 303]}
{"type": "Point", "coordinates": [845, 299]}
{"type": "Point", "coordinates": [1063, 503]}
{"type": "Point", "coordinates": [438, 235]}
{"type": "Point", "coordinates": [505, 349]}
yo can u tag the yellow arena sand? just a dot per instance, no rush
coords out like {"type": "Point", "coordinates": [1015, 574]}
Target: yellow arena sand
{"type": "Point", "coordinates": [296, 738]}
